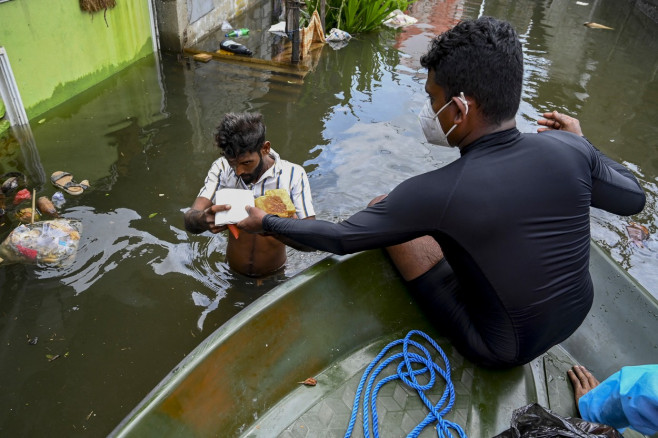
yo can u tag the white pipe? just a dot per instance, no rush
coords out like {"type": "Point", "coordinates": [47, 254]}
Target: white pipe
{"type": "Point", "coordinates": [9, 92]}
{"type": "Point", "coordinates": [155, 35]}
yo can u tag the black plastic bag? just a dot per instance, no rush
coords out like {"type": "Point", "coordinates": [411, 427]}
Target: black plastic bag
{"type": "Point", "coordinates": [533, 421]}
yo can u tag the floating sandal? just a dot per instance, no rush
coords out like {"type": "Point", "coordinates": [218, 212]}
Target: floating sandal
{"type": "Point", "coordinates": [65, 181]}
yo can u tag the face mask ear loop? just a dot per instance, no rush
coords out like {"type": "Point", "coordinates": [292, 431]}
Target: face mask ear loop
{"type": "Point", "coordinates": [464, 101]}
{"type": "Point", "coordinates": [442, 108]}
{"type": "Point", "coordinates": [450, 130]}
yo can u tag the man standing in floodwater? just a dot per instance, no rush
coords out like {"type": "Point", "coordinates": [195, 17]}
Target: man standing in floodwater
{"type": "Point", "coordinates": [248, 163]}
{"type": "Point", "coordinates": [495, 245]}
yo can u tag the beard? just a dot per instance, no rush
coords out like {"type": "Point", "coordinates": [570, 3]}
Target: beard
{"type": "Point", "coordinates": [249, 178]}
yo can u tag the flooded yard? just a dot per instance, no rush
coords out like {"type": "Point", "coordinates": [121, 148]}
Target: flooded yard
{"type": "Point", "coordinates": [142, 292]}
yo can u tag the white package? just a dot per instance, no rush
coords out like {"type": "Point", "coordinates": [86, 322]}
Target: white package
{"type": "Point", "coordinates": [238, 199]}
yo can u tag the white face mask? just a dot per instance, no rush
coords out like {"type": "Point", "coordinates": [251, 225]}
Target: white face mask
{"type": "Point", "coordinates": [429, 122]}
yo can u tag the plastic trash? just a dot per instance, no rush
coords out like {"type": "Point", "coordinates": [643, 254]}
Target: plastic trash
{"type": "Point", "coordinates": [58, 199]}
{"type": "Point", "coordinates": [534, 421]}
{"type": "Point", "coordinates": [336, 34]}
{"type": "Point", "coordinates": [12, 181]}
{"type": "Point", "coordinates": [48, 243]}
{"type": "Point", "coordinates": [233, 47]}
{"type": "Point", "coordinates": [26, 215]}
{"type": "Point", "coordinates": [238, 32]}
{"type": "Point", "coordinates": [279, 29]}
{"type": "Point", "coordinates": [397, 18]}
{"type": "Point", "coordinates": [22, 195]}
{"type": "Point", "coordinates": [337, 38]}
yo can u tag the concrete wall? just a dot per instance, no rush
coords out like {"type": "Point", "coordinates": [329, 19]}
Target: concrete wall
{"type": "Point", "coordinates": [182, 23]}
{"type": "Point", "coordinates": [56, 50]}
{"type": "Point", "coordinates": [648, 7]}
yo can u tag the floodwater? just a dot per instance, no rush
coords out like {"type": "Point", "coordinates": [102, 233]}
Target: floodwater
{"type": "Point", "coordinates": [142, 293]}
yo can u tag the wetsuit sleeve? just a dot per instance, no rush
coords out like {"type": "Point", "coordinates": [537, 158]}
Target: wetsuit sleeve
{"type": "Point", "coordinates": [614, 187]}
{"type": "Point", "coordinates": [386, 223]}
{"type": "Point", "coordinates": [628, 398]}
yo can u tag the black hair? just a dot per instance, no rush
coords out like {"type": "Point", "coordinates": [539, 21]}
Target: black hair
{"type": "Point", "coordinates": [483, 58]}
{"type": "Point", "coordinates": [240, 133]}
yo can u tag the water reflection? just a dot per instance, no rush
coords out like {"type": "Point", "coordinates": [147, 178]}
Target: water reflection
{"type": "Point", "coordinates": [143, 292]}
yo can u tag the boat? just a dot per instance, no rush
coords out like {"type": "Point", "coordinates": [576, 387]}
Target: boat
{"type": "Point", "coordinates": [329, 323]}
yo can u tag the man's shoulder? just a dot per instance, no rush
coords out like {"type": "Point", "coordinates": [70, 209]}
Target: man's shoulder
{"type": "Point", "coordinates": [558, 145]}
{"type": "Point", "coordinates": [561, 137]}
{"type": "Point", "coordinates": [220, 164]}
{"type": "Point", "coordinates": [287, 166]}
{"type": "Point", "coordinates": [222, 161]}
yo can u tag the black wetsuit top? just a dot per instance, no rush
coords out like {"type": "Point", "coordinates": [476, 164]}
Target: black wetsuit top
{"type": "Point", "coordinates": [512, 216]}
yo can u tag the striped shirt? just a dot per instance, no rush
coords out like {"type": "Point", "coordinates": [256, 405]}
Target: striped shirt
{"type": "Point", "coordinates": [282, 175]}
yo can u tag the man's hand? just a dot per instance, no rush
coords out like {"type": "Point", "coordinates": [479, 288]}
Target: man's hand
{"type": "Point", "coordinates": [561, 122]}
{"type": "Point", "coordinates": [582, 380]}
{"type": "Point", "coordinates": [254, 223]}
{"type": "Point", "coordinates": [209, 217]}
{"type": "Point", "coordinates": [200, 220]}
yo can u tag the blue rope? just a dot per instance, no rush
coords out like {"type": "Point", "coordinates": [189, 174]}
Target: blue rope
{"type": "Point", "coordinates": [407, 374]}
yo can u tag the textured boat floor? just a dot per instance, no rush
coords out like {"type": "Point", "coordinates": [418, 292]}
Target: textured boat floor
{"type": "Point", "coordinates": [325, 409]}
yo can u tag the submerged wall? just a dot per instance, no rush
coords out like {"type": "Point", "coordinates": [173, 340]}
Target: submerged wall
{"type": "Point", "coordinates": [57, 50]}
{"type": "Point", "coordinates": [182, 23]}
{"type": "Point", "coordinates": [648, 8]}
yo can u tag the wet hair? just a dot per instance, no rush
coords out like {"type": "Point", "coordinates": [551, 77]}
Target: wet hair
{"type": "Point", "coordinates": [482, 58]}
{"type": "Point", "coordinates": [240, 133]}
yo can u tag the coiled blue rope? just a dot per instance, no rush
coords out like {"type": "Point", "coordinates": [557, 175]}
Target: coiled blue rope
{"type": "Point", "coordinates": [408, 375]}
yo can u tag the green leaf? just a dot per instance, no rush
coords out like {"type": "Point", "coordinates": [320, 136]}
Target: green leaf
{"type": "Point", "coordinates": [152, 215]}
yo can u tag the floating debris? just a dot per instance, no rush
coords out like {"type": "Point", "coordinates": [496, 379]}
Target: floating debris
{"type": "Point", "coordinates": [22, 195]}
{"type": "Point", "coordinates": [597, 26]}
{"type": "Point", "coordinates": [46, 207]}
{"type": "Point", "coordinates": [58, 199]}
{"type": "Point", "coordinates": [10, 184]}
{"type": "Point", "coordinates": [203, 57]}
{"type": "Point", "coordinates": [12, 181]}
{"type": "Point", "coordinates": [637, 233]}
{"type": "Point", "coordinates": [24, 215]}
{"type": "Point", "coordinates": [309, 382]}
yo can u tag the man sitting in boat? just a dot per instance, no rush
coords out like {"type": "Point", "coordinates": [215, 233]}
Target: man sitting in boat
{"type": "Point", "coordinates": [494, 245]}
{"type": "Point", "coordinates": [249, 163]}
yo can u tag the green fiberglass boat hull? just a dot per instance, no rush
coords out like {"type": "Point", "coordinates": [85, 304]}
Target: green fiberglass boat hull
{"type": "Point", "coordinates": [331, 320]}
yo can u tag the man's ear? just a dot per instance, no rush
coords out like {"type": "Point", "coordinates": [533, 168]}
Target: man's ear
{"type": "Point", "coordinates": [265, 150]}
{"type": "Point", "coordinates": [463, 105]}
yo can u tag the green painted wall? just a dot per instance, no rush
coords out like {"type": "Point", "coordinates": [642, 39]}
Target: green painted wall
{"type": "Point", "coordinates": [56, 50]}
{"type": "Point", "coordinates": [4, 123]}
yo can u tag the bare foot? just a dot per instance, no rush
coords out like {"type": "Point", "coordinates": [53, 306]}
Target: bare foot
{"type": "Point", "coordinates": [582, 380]}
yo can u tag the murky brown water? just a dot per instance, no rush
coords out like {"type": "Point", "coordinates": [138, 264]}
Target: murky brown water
{"type": "Point", "coordinates": [142, 293]}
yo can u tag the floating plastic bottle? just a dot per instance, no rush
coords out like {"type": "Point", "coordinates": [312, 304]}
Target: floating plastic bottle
{"type": "Point", "coordinates": [238, 32]}
{"type": "Point", "coordinates": [233, 47]}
